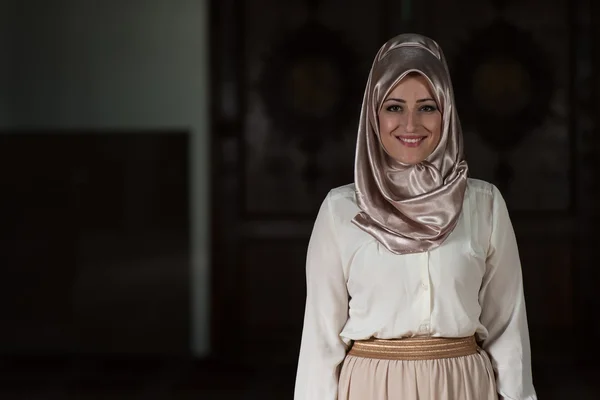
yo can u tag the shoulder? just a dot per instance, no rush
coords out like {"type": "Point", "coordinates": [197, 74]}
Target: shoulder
{"type": "Point", "coordinates": [485, 189]}
{"type": "Point", "coordinates": [481, 187]}
{"type": "Point", "coordinates": [342, 196]}
{"type": "Point", "coordinates": [486, 198]}
{"type": "Point", "coordinates": [341, 202]}
{"type": "Point", "coordinates": [479, 197]}
{"type": "Point", "coordinates": [342, 192]}
{"type": "Point", "coordinates": [480, 191]}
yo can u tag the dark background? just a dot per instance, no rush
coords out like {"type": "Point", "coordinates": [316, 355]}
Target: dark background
{"type": "Point", "coordinates": [162, 163]}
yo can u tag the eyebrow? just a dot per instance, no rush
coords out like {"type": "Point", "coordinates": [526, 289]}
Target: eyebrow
{"type": "Point", "coordinates": [404, 101]}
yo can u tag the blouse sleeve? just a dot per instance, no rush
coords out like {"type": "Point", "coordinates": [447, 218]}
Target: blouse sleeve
{"type": "Point", "coordinates": [503, 309]}
{"type": "Point", "coordinates": [322, 350]}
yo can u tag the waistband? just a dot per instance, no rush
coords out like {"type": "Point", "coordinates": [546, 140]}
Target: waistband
{"type": "Point", "coordinates": [417, 348]}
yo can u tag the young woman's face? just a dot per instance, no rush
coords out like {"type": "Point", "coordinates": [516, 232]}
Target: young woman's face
{"type": "Point", "coordinates": [410, 122]}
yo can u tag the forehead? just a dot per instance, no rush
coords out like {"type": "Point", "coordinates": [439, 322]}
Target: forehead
{"type": "Point", "coordinates": [412, 84]}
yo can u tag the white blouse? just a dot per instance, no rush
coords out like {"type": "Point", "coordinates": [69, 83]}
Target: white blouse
{"type": "Point", "coordinates": [357, 289]}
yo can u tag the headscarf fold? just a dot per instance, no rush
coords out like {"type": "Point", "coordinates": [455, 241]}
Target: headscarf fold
{"type": "Point", "coordinates": [409, 208]}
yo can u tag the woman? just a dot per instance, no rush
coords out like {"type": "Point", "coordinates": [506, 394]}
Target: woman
{"type": "Point", "coordinates": [414, 280]}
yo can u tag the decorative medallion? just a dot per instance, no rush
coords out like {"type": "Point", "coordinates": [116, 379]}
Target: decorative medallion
{"type": "Point", "coordinates": [309, 87]}
{"type": "Point", "coordinates": [505, 84]}
{"type": "Point", "coordinates": [307, 83]}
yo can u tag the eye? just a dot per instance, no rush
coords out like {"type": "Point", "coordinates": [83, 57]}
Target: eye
{"type": "Point", "coordinates": [394, 108]}
{"type": "Point", "coordinates": [428, 108]}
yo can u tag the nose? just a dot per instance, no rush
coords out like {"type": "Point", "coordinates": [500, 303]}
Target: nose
{"type": "Point", "coordinates": [410, 123]}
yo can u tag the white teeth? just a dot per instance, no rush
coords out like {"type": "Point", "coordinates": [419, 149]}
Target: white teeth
{"type": "Point", "coordinates": [411, 140]}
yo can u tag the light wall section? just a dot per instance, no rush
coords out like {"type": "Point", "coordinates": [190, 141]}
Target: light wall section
{"type": "Point", "coordinates": [117, 65]}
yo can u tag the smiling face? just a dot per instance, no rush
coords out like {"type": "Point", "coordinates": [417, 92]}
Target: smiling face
{"type": "Point", "coordinates": [410, 122]}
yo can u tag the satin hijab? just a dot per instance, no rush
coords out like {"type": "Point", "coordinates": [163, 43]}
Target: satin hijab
{"type": "Point", "coordinates": [409, 208]}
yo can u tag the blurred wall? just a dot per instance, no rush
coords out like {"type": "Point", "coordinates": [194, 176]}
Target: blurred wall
{"type": "Point", "coordinates": [115, 66]}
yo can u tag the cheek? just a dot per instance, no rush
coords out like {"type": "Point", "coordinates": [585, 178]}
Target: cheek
{"type": "Point", "coordinates": [435, 127]}
{"type": "Point", "coordinates": [437, 134]}
{"type": "Point", "coordinates": [386, 124]}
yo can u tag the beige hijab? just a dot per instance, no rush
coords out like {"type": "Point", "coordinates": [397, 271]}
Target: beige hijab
{"type": "Point", "coordinates": [409, 208]}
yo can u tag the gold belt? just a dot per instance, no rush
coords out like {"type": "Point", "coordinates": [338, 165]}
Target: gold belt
{"type": "Point", "coordinates": [417, 348]}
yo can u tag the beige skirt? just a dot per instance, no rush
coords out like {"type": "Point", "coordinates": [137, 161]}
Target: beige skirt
{"type": "Point", "coordinates": [417, 369]}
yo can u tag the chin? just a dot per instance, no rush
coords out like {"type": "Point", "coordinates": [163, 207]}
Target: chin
{"type": "Point", "coordinates": [410, 159]}
{"type": "Point", "coordinates": [412, 162]}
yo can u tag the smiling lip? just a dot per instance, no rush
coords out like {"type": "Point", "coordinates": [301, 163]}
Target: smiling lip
{"type": "Point", "coordinates": [411, 141]}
